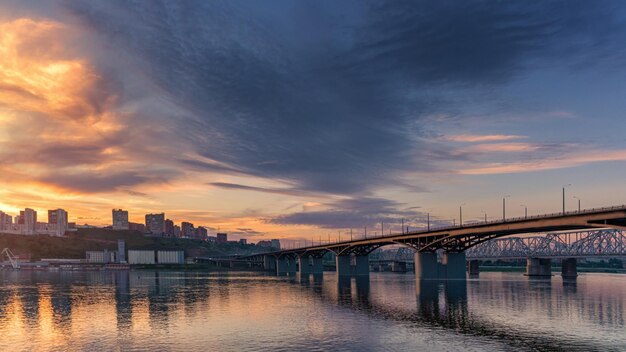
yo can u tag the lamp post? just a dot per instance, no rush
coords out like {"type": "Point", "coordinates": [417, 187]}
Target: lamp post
{"type": "Point", "coordinates": [525, 210]}
{"type": "Point", "coordinates": [567, 185]}
{"type": "Point", "coordinates": [428, 221]}
{"type": "Point", "coordinates": [578, 202]}
{"type": "Point", "coordinates": [484, 212]}
{"type": "Point", "coordinates": [461, 215]}
{"type": "Point", "coordinates": [504, 207]}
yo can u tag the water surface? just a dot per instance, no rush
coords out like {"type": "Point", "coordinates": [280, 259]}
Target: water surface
{"type": "Point", "coordinates": [238, 311]}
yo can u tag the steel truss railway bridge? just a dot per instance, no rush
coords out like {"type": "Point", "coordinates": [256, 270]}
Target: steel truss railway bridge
{"type": "Point", "coordinates": [441, 253]}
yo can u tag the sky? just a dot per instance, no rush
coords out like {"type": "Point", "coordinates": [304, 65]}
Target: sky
{"type": "Point", "coordinates": [297, 119]}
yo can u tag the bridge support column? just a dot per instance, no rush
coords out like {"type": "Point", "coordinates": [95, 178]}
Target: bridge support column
{"type": "Point", "coordinates": [304, 266]}
{"type": "Point", "coordinates": [318, 266]}
{"type": "Point", "coordinates": [343, 267]}
{"type": "Point", "coordinates": [568, 268]}
{"type": "Point", "coordinates": [454, 265]}
{"type": "Point", "coordinates": [285, 265]}
{"type": "Point", "coordinates": [361, 265]}
{"type": "Point", "coordinates": [472, 268]}
{"type": "Point", "coordinates": [398, 267]}
{"type": "Point", "coordinates": [352, 265]}
{"type": "Point", "coordinates": [538, 267]}
{"type": "Point", "coordinates": [427, 267]}
{"type": "Point", "coordinates": [269, 263]}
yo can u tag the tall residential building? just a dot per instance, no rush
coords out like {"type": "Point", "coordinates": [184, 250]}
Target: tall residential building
{"type": "Point", "coordinates": [243, 241]}
{"type": "Point", "coordinates": [221, 238]}
{"type": "Point", "coordinates": [176, 231]}
{"type": "Point", "coordinates": [28, 221]}
{"type": "Point", "coordinates": [169, 228]}
{"type": "Point", "coordinates": [155, 223]}
{"type": "Point", "coordinates": [6, 221]}
{"type": "Point", "coordinates": [120, 219]}
{"type": "Point", "coordinates": [187, 230]}
{"type": "Point", "coordinates": [57, 218]}
{"type": "Point", "coordinates": [202, 233]}
{"type": "Point", "coordinates": [275, 244]}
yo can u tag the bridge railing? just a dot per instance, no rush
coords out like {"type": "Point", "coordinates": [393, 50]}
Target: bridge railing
{"type": "Point", "coordinates": [460, 226]}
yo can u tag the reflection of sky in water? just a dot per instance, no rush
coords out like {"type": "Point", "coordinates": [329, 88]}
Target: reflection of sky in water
{"type": "Point", "coordinates": [246, 311]}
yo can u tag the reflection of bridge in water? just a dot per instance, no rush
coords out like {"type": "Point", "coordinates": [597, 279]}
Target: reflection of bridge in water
{"type": "Point", "coordinates": [459, 306]}
{"type": "Point", "coordinates": [441, 253]}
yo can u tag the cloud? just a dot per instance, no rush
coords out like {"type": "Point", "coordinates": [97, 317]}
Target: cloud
{"type": "Point", "coordinates": [354, 213]}
{"type": "Point", "coordinates": [331, 99]}
{"type": "Point", "coordinates": [282, 191]}
{"type": "Point", "coordinates": [549, 162]}
{"type": "Point", "coordinates": [471, 138]}
{"type": "Point", "coordinates": [98, 182]}
{"type": "Point", "coordinates": [328, 110]}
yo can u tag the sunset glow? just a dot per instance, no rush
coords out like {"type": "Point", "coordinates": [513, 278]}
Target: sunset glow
{"type": "Point", "coordinates": [99, 112]}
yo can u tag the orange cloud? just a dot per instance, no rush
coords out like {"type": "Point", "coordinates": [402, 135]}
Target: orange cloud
{"type": "Point", "coordinates": [471, 138]}
{"type": "Point", "coordinates": [37, 74]}
{"type": "Point", "coordinates": [548, 163]}
{"type": "Point", "coordinates": [504, 147]}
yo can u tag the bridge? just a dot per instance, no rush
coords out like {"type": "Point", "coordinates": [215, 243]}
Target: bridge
{"type": "Point", "coordinates": [439, 252]}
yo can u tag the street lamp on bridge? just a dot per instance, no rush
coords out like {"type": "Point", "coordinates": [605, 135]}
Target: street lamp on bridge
{"type": "Point", "coordinates": [461, 215]}
{"type": "Point", "coordinates": [484, 212]}
{"type": "Point", "coordinates": [567, 185]}
{"type": "Point", "coordinates": [578, 202]}
{"type": "Point", "coordinates": [525, 210]}
{"type": "Point", "coordinates": [504, 207]}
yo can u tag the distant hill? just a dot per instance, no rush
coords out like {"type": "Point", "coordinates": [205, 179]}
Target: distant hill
{"type": "Point", "coordinates": [76, 243]}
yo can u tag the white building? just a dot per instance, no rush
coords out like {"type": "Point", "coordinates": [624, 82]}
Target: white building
{"type": "Point", "coordinates": [57, 222]}
{"type": "Point", "coordinates": [6, 221]}
{"type": "Point", "coordinates": [28, 221]}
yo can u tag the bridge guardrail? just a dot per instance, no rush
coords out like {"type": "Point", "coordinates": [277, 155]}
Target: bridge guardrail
{"type": "Point", "coordinates": [489, 222]}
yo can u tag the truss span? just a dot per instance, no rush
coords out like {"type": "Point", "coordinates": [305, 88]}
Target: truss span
{"type": "Point", "coordinates": [595, 243]}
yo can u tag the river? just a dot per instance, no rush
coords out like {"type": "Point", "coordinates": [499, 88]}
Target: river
{"type": "Point", "coordinates": [248, 311]}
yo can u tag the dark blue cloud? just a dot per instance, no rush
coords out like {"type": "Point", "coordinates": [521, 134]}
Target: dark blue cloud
{"type": "Point", "coordinates": [330, 97]}
{"type": "Point", "coordinates": [359, 212]}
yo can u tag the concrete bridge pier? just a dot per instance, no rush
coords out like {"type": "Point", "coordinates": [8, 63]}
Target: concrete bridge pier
{"type": "Point", "coordinates": [472, 268]}
{"type": "Point", "coordinates": [361, 265]}
{"type": "Point", "coordinates": [269, 263]}
{"type": "Point", "coordinates": [352, 265]}
{"type": "Point", "coordinates": [304, 265]}
{"type": "Point", "coordinates": [285, 265]}
{"type": "Point", "coordinates": [398, 267]}
{"type": "Point", "coordinates": [451, 266]}
{"type": "Point", "coordinates": [317, 267]}
{"type": "Point", "coordinates": [568, 268]}
{"type": "Point", "coordinates": [538, 267]}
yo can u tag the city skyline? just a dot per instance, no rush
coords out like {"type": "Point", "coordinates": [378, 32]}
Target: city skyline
{"type": "Point", "coordinates": [289, 120]}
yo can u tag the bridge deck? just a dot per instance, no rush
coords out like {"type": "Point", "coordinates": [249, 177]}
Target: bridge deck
{"type": "Point", "coordinates": [467, 235]}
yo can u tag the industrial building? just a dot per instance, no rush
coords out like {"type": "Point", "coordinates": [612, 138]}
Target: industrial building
{"type": "Point", "coordinates": [155, 257]}
{"type": "Point", "coordinates": [171, 257]}
{"type": "Point", "coordinates": [101, 257]}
